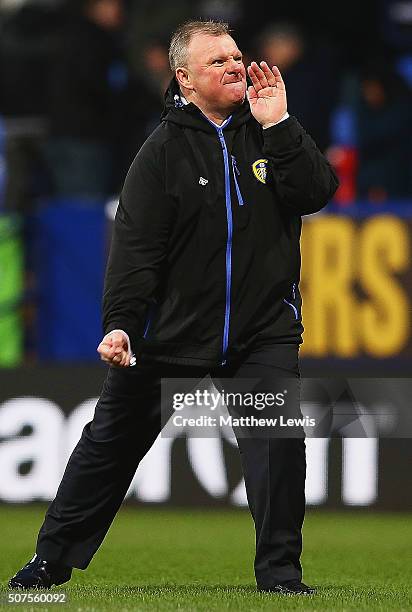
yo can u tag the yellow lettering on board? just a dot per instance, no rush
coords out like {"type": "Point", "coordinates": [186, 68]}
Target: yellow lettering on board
{"type": "Point", "coordinates": [329, 303]}
{"type": "Point", "coordinates": [384, 315]}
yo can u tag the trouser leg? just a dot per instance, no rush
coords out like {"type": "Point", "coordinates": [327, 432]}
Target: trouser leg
{"type": "Point", "coordinates": [274, 469]}
{"type": "Point", "coordinates": [99, 472]}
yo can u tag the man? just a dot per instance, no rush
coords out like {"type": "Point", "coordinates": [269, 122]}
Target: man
{"type": "Point", "coordinates": [202, 278]}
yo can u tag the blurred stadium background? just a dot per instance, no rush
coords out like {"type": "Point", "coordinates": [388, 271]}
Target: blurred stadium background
{"type": "Point", "coordinates": [81, 87]}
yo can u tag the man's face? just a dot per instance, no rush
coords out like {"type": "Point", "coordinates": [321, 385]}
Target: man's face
{"type": "Point", "coordinates": [216, 72]}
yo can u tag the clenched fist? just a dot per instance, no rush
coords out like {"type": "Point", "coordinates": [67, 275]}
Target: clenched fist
{"type": "Point", "coordinates": [114, 349]}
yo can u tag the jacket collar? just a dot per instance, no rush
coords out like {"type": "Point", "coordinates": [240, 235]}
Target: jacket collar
{"type": "Point", "coordinates": [177, 110]}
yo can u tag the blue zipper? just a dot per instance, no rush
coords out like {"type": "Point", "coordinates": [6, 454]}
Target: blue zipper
{"type": "Point", "coordinates": [146, 330]}
{"type": "Point", "coordinates": [149, 320]}
{"type": "Point", "coordinates": [236, 171]}
{"type": "Point", "coordinates": [229, 219]}
{"type": "Point", "coordinates": [228, 245]}
{"type": "Point", "coordinates": [295, 310]}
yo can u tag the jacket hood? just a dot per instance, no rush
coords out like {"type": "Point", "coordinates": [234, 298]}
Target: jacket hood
{"type": "Point", "coordinates": [189, 115]}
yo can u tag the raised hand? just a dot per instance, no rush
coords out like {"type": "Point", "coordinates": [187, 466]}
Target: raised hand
{"type": "Point", "coordinates": [267, 94]}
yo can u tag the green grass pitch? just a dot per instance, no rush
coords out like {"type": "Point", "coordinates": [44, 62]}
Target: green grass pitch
{"type": "Point", "coordinates": [155, 559]}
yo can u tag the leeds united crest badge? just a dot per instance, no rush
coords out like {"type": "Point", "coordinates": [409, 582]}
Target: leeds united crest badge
{"type": "Point", "coordinates": [259, 169]}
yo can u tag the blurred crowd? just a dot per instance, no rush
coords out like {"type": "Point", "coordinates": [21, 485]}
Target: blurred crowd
{"type": "Point", "coordinates": [82, 83]}
{"type": "Point", "coordinates": [81, 88]}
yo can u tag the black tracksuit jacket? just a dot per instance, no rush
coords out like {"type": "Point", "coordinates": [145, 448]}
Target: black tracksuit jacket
{"type": "Point", "coordinates": [205, 257]}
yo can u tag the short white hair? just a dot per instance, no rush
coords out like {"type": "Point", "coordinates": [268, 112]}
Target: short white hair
{"type": "Point", "coordinates": [183, 35]}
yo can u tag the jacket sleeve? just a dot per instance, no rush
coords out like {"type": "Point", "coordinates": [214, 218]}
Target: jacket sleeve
{"type": "Point", "coordinates": [302, 176]}
{"type": "Point", "coordinates": [139, 246]}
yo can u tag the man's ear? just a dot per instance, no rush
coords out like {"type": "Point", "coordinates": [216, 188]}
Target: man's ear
{"type": "Point", "coordinates": [183, 78]}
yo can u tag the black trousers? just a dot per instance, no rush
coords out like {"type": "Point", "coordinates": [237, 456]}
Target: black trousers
{"type": "Point", "coordinates": [126, 422]}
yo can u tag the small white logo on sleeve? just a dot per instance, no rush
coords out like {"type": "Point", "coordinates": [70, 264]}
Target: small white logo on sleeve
{"type": "Point", "coordinates": [203, 181]}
